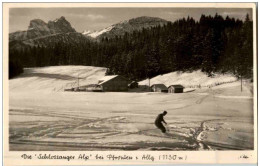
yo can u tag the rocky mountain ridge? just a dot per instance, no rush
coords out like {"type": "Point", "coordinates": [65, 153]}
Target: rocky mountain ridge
{"type": "Point", "coordinates": [128, 26]}
{"type": "Point", "coordinates": [39, 28]}
{"type": "Point", "coordinates": [40, 33]}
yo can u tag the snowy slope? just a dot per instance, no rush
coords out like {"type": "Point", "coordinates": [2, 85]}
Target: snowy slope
{"type": "Point", "coordinates": [85, 32]}
{"type": "Point", "coordinates": [190, 80]}
{"type": "Point", "coordinates": [55, 78]}
{"type": "Point", "coordinates": [44, 120]}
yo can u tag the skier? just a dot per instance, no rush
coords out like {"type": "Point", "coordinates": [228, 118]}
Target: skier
{"type": "Point", "coordinates": [159, 120]}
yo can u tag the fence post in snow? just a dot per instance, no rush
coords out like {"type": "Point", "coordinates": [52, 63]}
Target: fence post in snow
{"type": "Point", "coordinates": [241, 83]}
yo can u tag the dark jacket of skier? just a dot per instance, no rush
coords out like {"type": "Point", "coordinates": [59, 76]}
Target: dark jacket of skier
{"type": "Point", "coordinates": [159, 120]}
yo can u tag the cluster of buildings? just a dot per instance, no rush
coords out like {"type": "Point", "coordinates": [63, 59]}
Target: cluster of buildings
{"type": "Point", "coordinates": [170, 89]}
{"type": "Point", "coordinates": [117, 83]}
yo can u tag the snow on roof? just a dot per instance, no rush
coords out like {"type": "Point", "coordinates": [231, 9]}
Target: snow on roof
{"type": "Point", "coordinates": [106, 78]}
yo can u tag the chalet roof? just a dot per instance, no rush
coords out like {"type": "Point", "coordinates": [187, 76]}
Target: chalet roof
{"type": "Point", "coordinates": [176, 86]}
{"type": "Point", "coordinates": [161, 86]}
{"type": "Point", "coordinates": [106, 78]}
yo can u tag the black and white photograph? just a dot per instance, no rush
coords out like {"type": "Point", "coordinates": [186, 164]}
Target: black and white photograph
{"type": "Point", "coordinates": [131, 79]}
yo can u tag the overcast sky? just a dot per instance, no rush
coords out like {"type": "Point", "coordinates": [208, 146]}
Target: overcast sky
{"type": "Point", "coordinates": [99, 18]}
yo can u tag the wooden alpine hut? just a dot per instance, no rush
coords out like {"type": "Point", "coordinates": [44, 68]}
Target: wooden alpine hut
{"type": "Point", "coordinates": [175, 89]}
{"type": "Point", "coordinates": [159, 88]}
{"type": "Point", "coordinates": [113, 83]}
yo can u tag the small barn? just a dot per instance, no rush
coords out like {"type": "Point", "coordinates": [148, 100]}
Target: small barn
{"type": "Point", "coordinates": [133, 84]}
{"type": "Point", "coordinates": [159, 88]}
{"type": "Point", "coordinates": [113, 83]}
{"type": "Point", "coordinates": [175, 89]}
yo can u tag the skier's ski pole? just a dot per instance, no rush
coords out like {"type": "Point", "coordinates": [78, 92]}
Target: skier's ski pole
{"type": "Point", "coordinates": [167, 127]}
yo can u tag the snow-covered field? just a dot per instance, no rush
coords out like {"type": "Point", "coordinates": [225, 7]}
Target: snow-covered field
{"type": "Point", "coordinates": [56, 78]}
{"type": "Point", "coordinates": [42, 117]}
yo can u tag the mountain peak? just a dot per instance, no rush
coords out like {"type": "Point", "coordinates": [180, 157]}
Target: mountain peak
{"type": "Point", "coordinates": [62, 18]}
{"type": "Point", "coordinates": [60, 25]}
{"type": "Point", "coordinates": [39, 28]}
{"type": "Point", "coordinates": [37, 21]}
{"type": "Point", "coordinates": [37, 24]}
{"type": "Point", "coordinates": [128, 26]}
{"type": "Point", "coordinates": [145, 19]}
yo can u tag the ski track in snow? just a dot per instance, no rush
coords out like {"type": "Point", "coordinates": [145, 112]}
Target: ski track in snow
{"type": "Point", "coordinates": [59, 130]}
{"type": "Point", "coordinates": [43, 119]}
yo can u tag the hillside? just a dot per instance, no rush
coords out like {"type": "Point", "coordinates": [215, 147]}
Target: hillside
{"type": "Point", "coordinates": [193, 79]}
{"type": "Point", "coordinates": [41, 119]}
{"type": "Point", "coordinates": [55, 78]}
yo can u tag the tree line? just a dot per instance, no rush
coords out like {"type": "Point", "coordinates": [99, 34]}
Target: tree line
{"type": "Point", "coordinates": [212, 44]}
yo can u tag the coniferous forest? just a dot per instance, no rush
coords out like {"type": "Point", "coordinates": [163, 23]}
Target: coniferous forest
{"type": "Point", "coordinates": [212, 44]}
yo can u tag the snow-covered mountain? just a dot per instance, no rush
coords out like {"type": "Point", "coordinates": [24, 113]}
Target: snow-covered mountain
{"type": "Point", "coordinates": [60, 30]}
{"type": "Point", "coordinates": [128, 26]}
{"type": "Point", "coordinates": [95, 34]}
